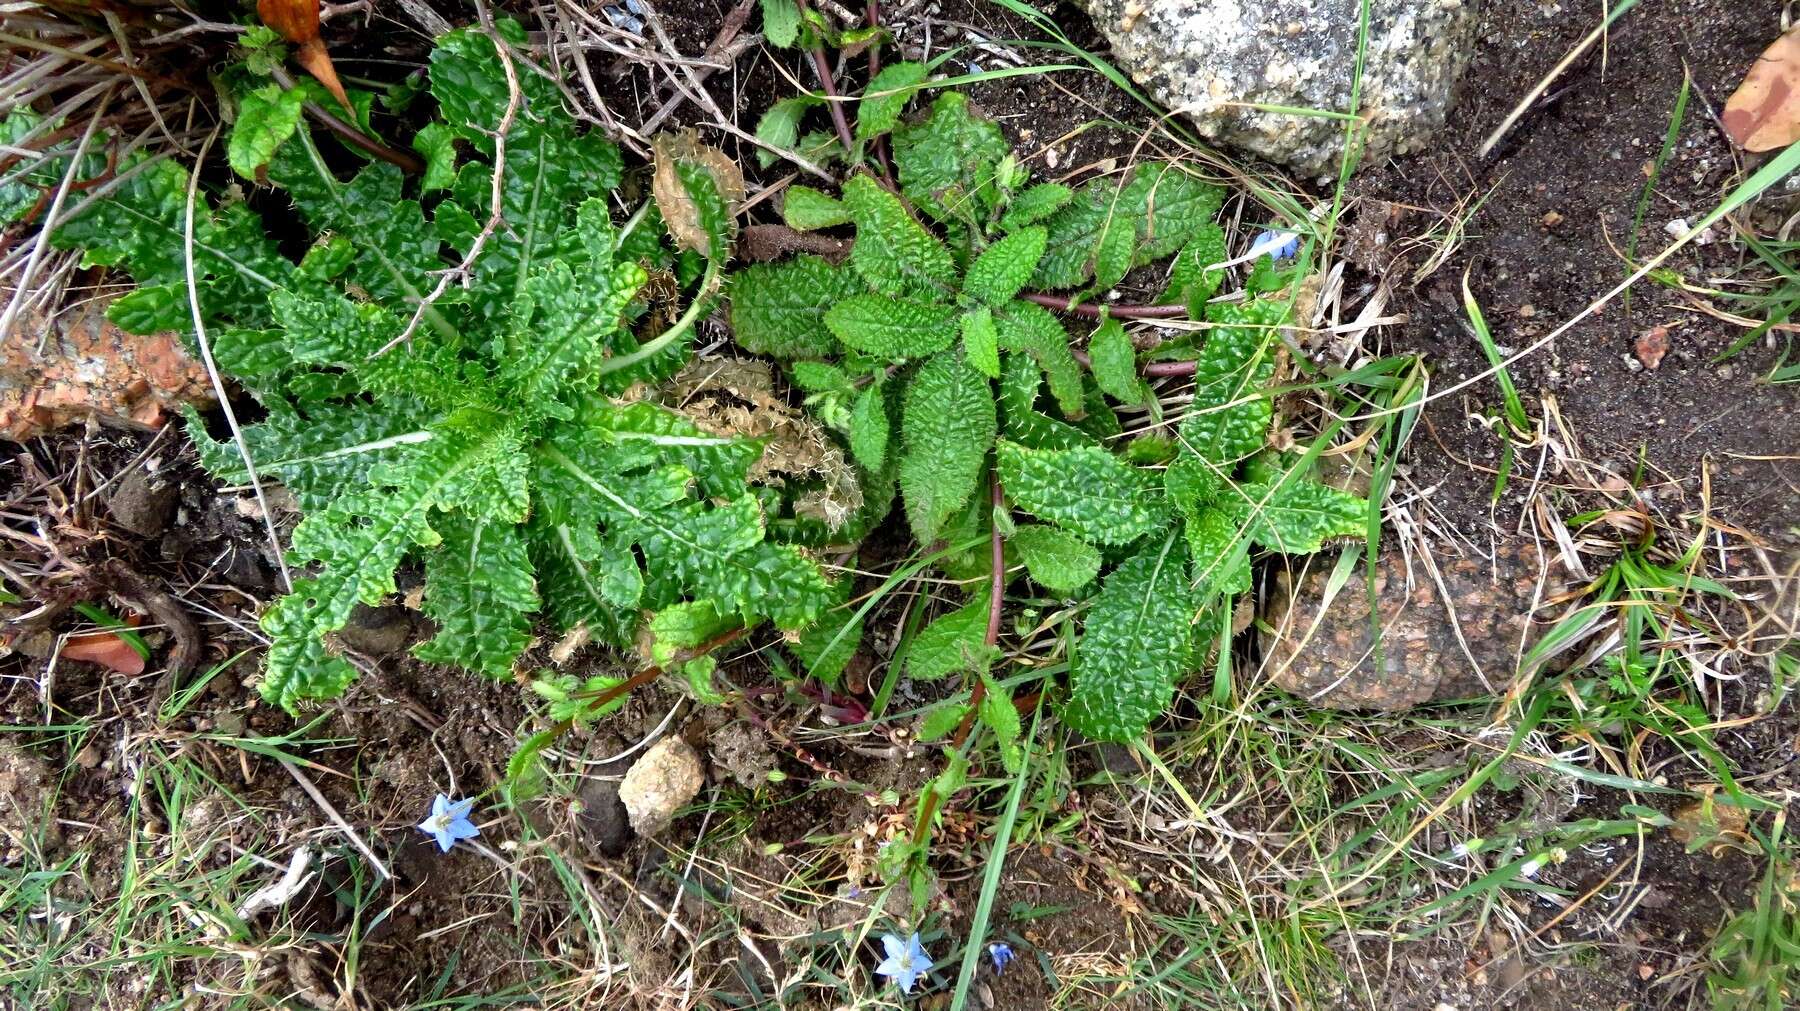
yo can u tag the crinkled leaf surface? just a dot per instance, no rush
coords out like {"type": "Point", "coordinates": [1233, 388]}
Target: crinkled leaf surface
{"type": "Point", "coordinates": [947, 424]}
{"type": "Point", "coordinates": [1136, 643]}
{"type": "Point", "coordinates": [778, 309]}
{"type": "Point", "coordinates": [1086, 490]}
{"type": "Point", "coordinates": [1058, 560]}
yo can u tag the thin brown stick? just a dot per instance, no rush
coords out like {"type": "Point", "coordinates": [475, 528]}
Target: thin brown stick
{"type": "Point", "coordinates": [1092, 310]}
{"type": "Point", "coordinates": [496, 191]}
{"type": "Point", "coordinates": [406, 162]}
{"type": "Point", "coordinates": [828, 84]}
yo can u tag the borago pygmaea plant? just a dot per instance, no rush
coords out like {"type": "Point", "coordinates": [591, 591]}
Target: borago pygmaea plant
{"type": "Point", "coordinates": [926, 349]}
{"type": "Point", "coordinates": [486, 431]}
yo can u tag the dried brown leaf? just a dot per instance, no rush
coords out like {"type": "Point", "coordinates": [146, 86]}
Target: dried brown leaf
{"type": "Point", "coordinates": [107, 650]}
{"type": "Point", "coordinates": [678, 210]}
{"type": "Point", "coordinates": [298, 23]}
{"type": "Point", "coordinates": [1764, 113]}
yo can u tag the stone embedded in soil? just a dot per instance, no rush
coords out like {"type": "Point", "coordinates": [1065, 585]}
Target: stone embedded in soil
{"type": "Point", "coordinates": [656, 786]}
{"type": "Point", "coordinates": [1209, 59]}
{"type": "Point", "coordinates": [143, 502]}
{"type": "Point", "coordinates": [743, 752]}
{"type": "Point", "coordinates": [90, 368]}
{"type": "Point", "coordinates": [1423, 660]}
{"type": "Point", "coordinates": [377, 631]}
{"type": "Point", "coordinates": [603, 819]}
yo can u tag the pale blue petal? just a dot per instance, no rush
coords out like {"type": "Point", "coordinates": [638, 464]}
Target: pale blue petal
{"type": "Point", "coordinates": [896, 948]}
{"type": "Point", "coordinates": [463, 830]}
{"type": "Point", "coordinates": [461, 808]}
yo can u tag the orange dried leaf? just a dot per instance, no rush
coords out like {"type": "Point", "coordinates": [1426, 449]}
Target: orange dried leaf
{"type": "Point", "coordinates": [298, 23]}
{"type": "Point", "coordinates": [107, 650]}
{"type": "Point", "coordinates": [1764, 113]}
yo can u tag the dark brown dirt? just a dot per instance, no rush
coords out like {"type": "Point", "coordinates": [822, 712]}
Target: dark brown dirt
{"type": "Point", "coordinates": [1558, 197]}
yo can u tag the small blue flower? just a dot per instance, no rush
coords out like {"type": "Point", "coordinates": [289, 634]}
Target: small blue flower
{"type": "Point", "coordinates": [449, 822]}
{"type": "Point", "coordinates": [1000, 953]}
{"type": "Point", "coordinates": [906, 960]}
{"type": "Point", "coordinates": [1277, 243]}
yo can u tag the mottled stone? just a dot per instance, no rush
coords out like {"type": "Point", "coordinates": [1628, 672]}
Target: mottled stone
{"type": "Point", "coordinates": [1423, 660]}
{"type": "Point", "coordinates": [656, 786]}
{"type": "Point", "coordinates": [1208, 59]}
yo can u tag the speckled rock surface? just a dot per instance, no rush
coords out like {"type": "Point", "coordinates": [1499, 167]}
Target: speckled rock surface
{"type": "Point", "coordinates": [1333, 665]}
{"type": "Point", "coordinates": [656, 786]}
{"type": "Point", "coordinates": [1204, 57]}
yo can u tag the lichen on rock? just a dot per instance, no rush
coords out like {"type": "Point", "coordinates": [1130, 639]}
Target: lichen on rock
{"type": "Point", "coordinates": [1218, 61]}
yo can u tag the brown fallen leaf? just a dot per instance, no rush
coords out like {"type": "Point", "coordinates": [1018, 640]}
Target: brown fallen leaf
{"type": "Point", "coordinates": [298, 23]}
{"type": "Point", "coordinates": [1652, 344]}
{"type": "Point", "coordinates": [106, 649]}
{"type": "Point", "coordinates": [1764, 113]}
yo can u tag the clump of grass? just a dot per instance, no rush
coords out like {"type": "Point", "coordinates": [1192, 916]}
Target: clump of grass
{"type": "Point", "coordinates": [1756, 955]}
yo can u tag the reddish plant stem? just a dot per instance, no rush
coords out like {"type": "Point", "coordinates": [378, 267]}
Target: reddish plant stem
{"type": "Point", "coordinates": [1181, 368]}
{"type": "Point", "coordinates": [828, 84]}
{"type": "Point", "coordinates": [1092, 310]}
{"type": "Point", "coordinates": [350, 134]}
{"type": "Point", "coordinates": [649, 674]}
{"type": "Point", "coordinates": [880, 144]}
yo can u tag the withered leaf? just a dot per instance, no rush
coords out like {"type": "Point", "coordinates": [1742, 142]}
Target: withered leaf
{"type": "Point", "coordinates": [672, 198]}
{"type": "Point", "coordinates": [107, 650]}
{"type": "Point", "coordinates": [1764, 113]}
{"type": "Point", "coordinates": [298, 23]}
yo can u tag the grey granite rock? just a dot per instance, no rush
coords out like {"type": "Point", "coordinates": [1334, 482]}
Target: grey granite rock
{"type": "Point", "coordinates": [1209, 58]}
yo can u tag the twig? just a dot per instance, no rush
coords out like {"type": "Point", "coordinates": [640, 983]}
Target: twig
{"type": "Point", "coordinates": [43, 237]}
{"type": "Point", "coordinates": [407, 162]}
{"type": "Point", "coordinates": [828, 85]}
{"type": "Point", "coordinates": [728, 32]}
{"type": "Point", "coordinates": [496, 192]}
{"type": "Point", "coordinates": [212, 368]}
{"type": "Point", "coordinates": [336, 819]}
{"type": "Point", "coordinates": [1092, 310]}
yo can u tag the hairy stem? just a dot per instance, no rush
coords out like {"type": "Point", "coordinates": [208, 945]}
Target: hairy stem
{"type": "Point", "coordinates": [828, 84]}
{"type": "Point", "coordinates": [880, 144]}
{"type": "Point", "coordinates": [708, 283]}
{"type": "Point", "coordinates": [1092, 310]}
{"type": "Point", "coordinates": [996, 590]}
{"type": "Point", "coordinates": [649, 674]}
{"type": "Point", "coordinates": [406, 161]}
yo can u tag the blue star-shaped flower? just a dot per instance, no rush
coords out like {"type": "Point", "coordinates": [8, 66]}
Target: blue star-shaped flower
{"type": "Point", "coordinates": [449, 822]}
{"type": "Point", "coordinates": [1001, 953]}
{"type": "Point", "coordinates": [906, 960]}
{"type": "Point", "coordinates": [1277, 243]}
